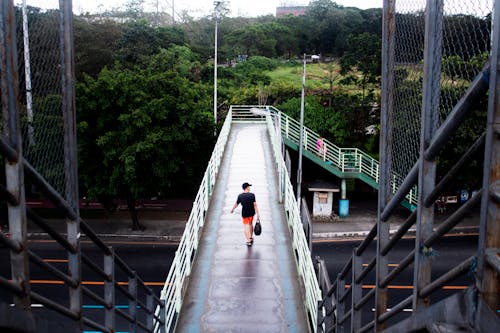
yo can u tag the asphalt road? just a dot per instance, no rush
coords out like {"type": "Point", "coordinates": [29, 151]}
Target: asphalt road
{"type": "Point", "coordinates": [152, 260]}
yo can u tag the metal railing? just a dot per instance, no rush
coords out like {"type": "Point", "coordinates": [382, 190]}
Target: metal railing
{"type": "Point", "coordinates": [348, 162]}
{"type": "Point", "coordinates": [175, 283]}
{"type": "Point", "coordinates": [300, 243]}
{"type": "Point", "coordinates": [139, 298]}
{"type": "Point", "coordinates": [341, 309]}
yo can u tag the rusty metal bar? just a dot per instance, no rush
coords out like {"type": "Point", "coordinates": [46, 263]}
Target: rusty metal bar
{"type": "Point", "coordinates": [8, 196]}
{"type": "Point", "coordinates": [51, 269]}
{"type": "Point", "coordinates": [95, 297]}
{"type": "Point", "coordinates": [367, 327]}
{"type": "Point", "coordinates": [489, 228]}
{"type": "Point", "coordinates": [345, 295]}
{"type": "Point", "coordinates": [151, 313]}
{"type": "Point", "coordinates": [346, 268]}
{"type": "Point", "coordinates": [13, 286]}
{"type": "Point", "coordinates": [477, 89]}
{"type": "Point", "coordinates": [55, 306]}
{"type": "Point", "coordinates": [14, 176]}
{"type": "Point", "coordinates": [94, 325]}
{"type": "Point", "coordinates": [492, 258]}
{"type": "Point", "coordinates": [402, 265]}
{"type": "Point", "coordinates": [10, 153]}
{"type": "Point", "coordinates": [48, 190]}
{"type": "Point", "coordinates": [450, 275]}
{"type": "Point", "coordinates": [93, 236]}
{"type": "Point", "coordinates": [368, 239]}
{"type": "Point", "coordinates": [410, 221]}
{"type": "Point", "coordinates": [345, 317]}
{"type": "Point", "coordinates": [365, 299]}
{"type": "Point", "coordinates": [12, 245]}
{"type": "Point", "coordinates": [357, 291]}
{"type": "Point", "coordinates": [92, 265]}
{"type": "Point", "coordinates": [453, 220]}
{"type": "Point", "coordinates": [339, 328]}
{"type": "Point", "coordinates": [365, 271]}
{"type": "Point", "coordinates": [124, 291]}
{"type": "Point", "coordinates": [143, 326]}
{"type": "Point", "coordinates": [396, 309]}
{"type": "Point", "coordinates": [327, 291]}
{"type": "Point", "coordinates": [453, 173]}
{"type": "Point", "coordinates": [125, 315]}
{"type": "Point", "coordinates": [143, 306]}
{"type": "Point", "coordinates": [429, 124]}
{"type": "Point", "coordinates": [400, 194]}
{"type": "Point", "coordinates": [386, 145]}
{"type": "Point", "coordinates": [70, 148]}
{"type": "Point", "coordinates": [54, 234]}
{"type": "Point", "coordinates": [109, 290]}
{"type": "Point", "coordinates": [124, 266]}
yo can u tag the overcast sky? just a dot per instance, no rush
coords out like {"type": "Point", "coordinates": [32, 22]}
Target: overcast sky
{"type": "Point", "coordinates": [252, 8]}
{"type": "Point", "coordinates": [198, 8]}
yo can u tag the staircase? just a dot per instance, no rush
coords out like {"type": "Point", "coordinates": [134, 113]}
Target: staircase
{"type": "Point", "coordinates": [344, 163]}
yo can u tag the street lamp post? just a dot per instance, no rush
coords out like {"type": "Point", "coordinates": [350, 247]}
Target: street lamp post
{"type": "Point", "coordinates": [299, 169]}
{"type": "Point", "coordinates": [216, 12]}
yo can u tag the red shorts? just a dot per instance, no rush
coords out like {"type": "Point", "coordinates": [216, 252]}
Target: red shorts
{"type": "Point", "coordinates": [247, 220]}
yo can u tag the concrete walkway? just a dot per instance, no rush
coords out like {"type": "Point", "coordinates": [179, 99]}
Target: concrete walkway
{"type": "Point", "coordinates": [233, 287]}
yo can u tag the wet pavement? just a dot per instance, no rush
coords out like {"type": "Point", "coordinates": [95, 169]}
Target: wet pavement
{"type": "Point", "coordinates": [235, 287]}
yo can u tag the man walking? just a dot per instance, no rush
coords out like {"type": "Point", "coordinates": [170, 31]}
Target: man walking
{"type": "Point", "coordinates": [248, 210]}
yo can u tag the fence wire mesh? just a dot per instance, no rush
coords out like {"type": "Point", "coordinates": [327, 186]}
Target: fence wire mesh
{"type": "Point", "coordinates": [39, 59]}
{"type": "Point", "coordinates": [465, 47]}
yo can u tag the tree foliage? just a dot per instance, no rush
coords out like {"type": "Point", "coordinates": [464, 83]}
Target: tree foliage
{"type": "Point", "coordinates": [145, 131]}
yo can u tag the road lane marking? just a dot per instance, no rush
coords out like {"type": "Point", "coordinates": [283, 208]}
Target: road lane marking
{"type": "Point", "coordinates": [94, 283]}
{"type": "Point", "coordinates": [56, 260]}
{"type": "Point", "coordinates": [50, 241]}
{"type": "Point", "coordinates": [124, 283]}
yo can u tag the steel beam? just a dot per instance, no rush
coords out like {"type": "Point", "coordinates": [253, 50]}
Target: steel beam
{"type": "Point", "coordinates": [429, 124]}
{"type": "Point", "coordinates": [14, 169]}
{"type": "Point", "coordinates": [488, 280]}
{"type": "Point", "coordinates": [386, 146]}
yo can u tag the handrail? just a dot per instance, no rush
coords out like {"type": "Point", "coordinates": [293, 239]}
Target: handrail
{"type": "Point", "coordinates": [172, 292]}
{"type": "Point", "coordinates": [349, 161]}
{"type": "Point", "coordinates": [299, 242]}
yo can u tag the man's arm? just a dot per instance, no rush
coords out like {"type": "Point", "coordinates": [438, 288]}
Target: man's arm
{"type": "Point", "coordinates": [256, 208]}
{"type": "Point", "coordinates": [234, 207]}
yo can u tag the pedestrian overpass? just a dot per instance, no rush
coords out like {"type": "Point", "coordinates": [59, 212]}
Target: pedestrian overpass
{"type": "Point", "coordinates": [216, 283]}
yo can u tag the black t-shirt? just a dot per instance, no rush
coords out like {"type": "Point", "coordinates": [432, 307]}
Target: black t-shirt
{"type": "Point", "coordinates": [246, 199]}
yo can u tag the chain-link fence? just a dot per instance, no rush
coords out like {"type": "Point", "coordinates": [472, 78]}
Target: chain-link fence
{"type": "Point", "coordinates": [40, 88]}
{"type": "Point", "coordinates": [465, 45]}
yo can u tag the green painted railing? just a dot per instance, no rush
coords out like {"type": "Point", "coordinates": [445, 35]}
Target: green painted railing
{"type": "Point", "coordinates": [342, 162]}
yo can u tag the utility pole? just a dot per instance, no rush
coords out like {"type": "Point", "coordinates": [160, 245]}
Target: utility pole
{"type": "Point", "coordinates": [299, 169]}
{"type": "Point", "coordinates": [216, 16]}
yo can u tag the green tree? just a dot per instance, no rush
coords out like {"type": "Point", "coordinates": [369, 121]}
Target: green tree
{"type": "Point", "coordinates": [143, 131]}
{"type": "Point", "coordinates": [364, 55]}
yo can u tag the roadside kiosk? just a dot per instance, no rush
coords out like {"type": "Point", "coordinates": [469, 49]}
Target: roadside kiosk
{"type": "Point", "coordinates": [323, 199]}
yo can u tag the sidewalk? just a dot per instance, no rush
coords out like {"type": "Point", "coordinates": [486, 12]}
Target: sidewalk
{"type": "Point", "coordinates": [169, 225]}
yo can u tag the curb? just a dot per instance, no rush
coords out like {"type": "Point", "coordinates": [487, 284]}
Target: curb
{"type": "Point", "coordinates": [358, 234]}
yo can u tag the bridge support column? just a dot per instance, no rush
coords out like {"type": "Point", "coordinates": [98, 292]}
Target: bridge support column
{"type": "Point", "coordinates": [343, 202]}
